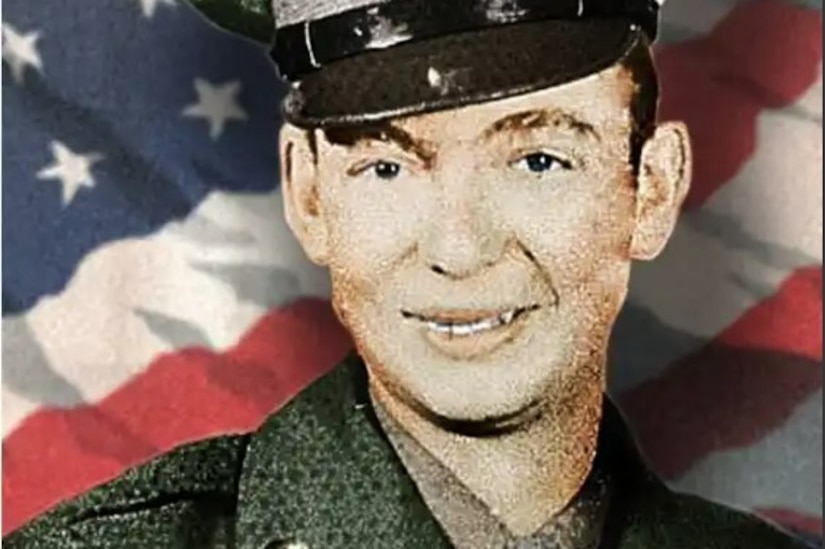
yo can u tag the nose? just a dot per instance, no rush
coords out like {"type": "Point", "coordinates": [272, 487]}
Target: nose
{"type": "Point", "coordinates": [463, 238]}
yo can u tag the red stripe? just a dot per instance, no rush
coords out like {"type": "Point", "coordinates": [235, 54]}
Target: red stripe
{"type": "Point", "coordinates": [182, 396]}
{"type": "Point", "coordinates": [793, 520]}
{"type": "Point", "coordinates": [764, 55]}
{"type": "Point", "coordinates": [738, 388]}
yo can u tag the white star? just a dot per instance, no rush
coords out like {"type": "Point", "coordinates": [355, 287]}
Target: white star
{"type": "Point", "coordinates": [149, 6]}
{"type": "Point", "coordinates": [216, 103]}
{"type": "Point", "coordinates": [71, 169]}
{"type": "Point", "coordinates": [19, 51]}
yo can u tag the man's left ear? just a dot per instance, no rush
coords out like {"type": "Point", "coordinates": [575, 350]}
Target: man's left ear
{"type": "Point", "coordinates": [663, 182]}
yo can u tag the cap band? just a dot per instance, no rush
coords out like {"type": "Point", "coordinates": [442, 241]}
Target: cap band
{"type": "Point", "coordinates": [305, 47]}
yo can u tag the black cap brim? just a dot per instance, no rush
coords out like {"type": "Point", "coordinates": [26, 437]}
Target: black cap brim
{"type": "Point", "coordinates": [457, 70]}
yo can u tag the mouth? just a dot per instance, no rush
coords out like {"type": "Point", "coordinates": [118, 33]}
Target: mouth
{"type": "Point", "coordinates": [463, 334]}
{"type": "Point", "coordinates": [462, 323]}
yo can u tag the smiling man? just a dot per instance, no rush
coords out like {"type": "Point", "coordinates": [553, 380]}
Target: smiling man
{"type": "Point", "coordinates": [478, 177]}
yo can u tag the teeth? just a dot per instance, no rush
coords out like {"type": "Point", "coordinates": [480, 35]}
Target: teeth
{"type": "Point", "coordinates": [468, 328]}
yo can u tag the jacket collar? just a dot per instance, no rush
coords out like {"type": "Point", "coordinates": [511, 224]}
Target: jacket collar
{"type": "Point", "coordinates": [322, 472]}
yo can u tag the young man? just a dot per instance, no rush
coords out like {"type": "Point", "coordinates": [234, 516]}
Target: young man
{"type": "Point", "coordinates": [478, 176]}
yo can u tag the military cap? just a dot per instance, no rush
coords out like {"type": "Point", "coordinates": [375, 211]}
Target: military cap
{"type": "Point", "coordinates": [355, 61]}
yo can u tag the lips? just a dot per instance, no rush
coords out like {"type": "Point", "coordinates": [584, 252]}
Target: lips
{"type": "Point", "coordinates": [470, 334]}
{"type": "Point", "coordinates": [464, 322]}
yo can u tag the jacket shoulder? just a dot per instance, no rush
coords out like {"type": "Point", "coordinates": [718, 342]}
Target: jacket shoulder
{"type": "Point", "coordinates": [182, 498]}
{"type": "Point", "coordinates": [670, 520]}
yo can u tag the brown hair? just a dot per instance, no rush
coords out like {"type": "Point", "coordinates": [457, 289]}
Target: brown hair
{"type": "Point", "coordinates": [644, 103]}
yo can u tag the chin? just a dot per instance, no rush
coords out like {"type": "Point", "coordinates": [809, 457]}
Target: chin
{"type": "Point", "coordinates": [482, 398]}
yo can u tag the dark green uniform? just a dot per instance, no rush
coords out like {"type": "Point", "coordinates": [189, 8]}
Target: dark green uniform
{"type": "Point", "coordinates": [321, 472]}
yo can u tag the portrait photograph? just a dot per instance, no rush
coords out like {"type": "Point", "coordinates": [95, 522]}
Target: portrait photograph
{"type": "Point", "coordinates": [412, 274]}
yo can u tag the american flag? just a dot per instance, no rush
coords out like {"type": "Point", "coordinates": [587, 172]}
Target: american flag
{"type": "Point", "coordinates": [152, 294]}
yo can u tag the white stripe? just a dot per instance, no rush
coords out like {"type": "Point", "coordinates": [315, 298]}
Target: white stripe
{"type": "Point", "coordinates": [103, 328]}
{"type": "Point", "coordinates": [15, 409]}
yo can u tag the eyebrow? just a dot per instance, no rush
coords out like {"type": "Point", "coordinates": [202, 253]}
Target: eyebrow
{"type": "Point", "coordinates": [539, 119]}
{"type": "Point", "coordinates": [386, 133]}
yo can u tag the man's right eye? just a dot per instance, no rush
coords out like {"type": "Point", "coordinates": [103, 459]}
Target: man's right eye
{"type": "Point", "coordinates": [381, 169]}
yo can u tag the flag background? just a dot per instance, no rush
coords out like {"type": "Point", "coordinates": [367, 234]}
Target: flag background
{"type": "Point", "coordinates": [152, 294]}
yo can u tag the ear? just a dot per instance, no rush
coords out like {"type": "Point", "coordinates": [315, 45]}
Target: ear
{"type": "Point", "coordinates": [302, 203]}
{"type": "Point", "coordinates": [662, 185]}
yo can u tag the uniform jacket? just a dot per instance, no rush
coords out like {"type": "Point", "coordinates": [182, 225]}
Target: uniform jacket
{"type": "Point", "coordinates": [321, 474]}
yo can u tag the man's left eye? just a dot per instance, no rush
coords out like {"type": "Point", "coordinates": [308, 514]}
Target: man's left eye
{"type": "Point", "coordinates": [543, 162]}
{"type": "Point", "coordinates": [386, 170]}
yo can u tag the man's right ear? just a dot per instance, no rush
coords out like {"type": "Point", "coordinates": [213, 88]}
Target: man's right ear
{"type": "Point", "coordinates": [302, 199]}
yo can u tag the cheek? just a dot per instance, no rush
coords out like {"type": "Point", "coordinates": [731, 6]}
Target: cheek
{"type": "Point", "coordinates": [578, 230]}
{"type": "Point", "coordinates": [372, 226]}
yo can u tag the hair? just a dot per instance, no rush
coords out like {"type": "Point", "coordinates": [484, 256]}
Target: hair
{"type": "Point", "coordinates": [638, 62]}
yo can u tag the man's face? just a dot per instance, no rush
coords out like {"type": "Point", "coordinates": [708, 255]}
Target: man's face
{"type": "Point", "coordinates": [479, 256]}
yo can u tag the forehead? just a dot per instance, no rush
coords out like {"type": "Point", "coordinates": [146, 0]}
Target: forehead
{"type": "Point", "coordinates": [599, 101]}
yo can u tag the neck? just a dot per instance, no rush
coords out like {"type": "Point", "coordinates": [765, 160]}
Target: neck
{"type": "Point", "coordinates": [526, 476]}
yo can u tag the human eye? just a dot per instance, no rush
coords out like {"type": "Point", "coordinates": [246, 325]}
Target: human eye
{"type": "Point", "coordinates": [386, 170]}
{"type": "Point", "coordinates": [541, 162]}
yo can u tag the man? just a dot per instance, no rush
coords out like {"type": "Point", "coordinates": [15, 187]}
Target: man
{"type": "Point", "coordinates": [478, 176]}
